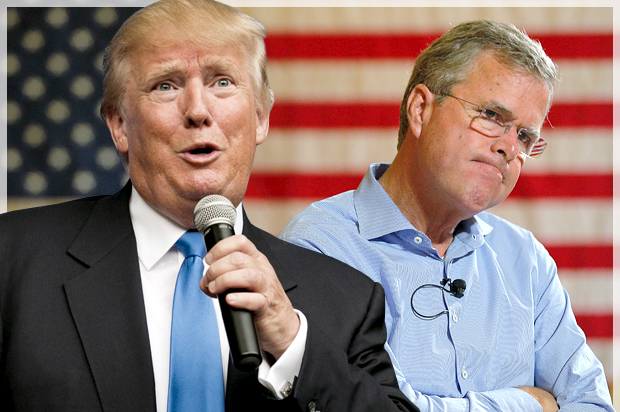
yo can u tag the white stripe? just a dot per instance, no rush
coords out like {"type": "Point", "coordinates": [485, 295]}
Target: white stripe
{"type": "Point", "coordinates": [584, 80]}
{"type": "Point", "coordinates": [562, 222]}
{"type": "Point", "coordinates": [578, 151]}
{"type": "Point", "coordinates": [425, 19]}
{"type": "Point", "coordinates": [574, 150]}
{"type": "Point", "coordinates": [325, 150]}
{"type": "Point", "coordinates": [590, 290]}
{"type": "Point", "coordinates": [380, 81]}
{"type": "Point", "coordinates": [384, 81]}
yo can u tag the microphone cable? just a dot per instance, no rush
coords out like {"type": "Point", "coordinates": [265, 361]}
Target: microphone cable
{"type": "Point", "coordinates": [457, 289]}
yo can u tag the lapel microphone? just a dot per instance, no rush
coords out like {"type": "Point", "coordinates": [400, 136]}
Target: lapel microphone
{"type": "Point", "coordinates": [457, 289]}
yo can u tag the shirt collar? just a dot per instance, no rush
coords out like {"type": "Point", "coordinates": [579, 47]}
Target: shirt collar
{"type": "Point", "coordinates": [472, 231]}
{"type": "Point", "coordinates": [371, 201]}
{"type": "Point", "coordinates": [155, 233]}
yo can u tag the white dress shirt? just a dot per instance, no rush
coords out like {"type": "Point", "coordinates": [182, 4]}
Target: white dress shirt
{"type": "Point", "coordinates": [160, 262]}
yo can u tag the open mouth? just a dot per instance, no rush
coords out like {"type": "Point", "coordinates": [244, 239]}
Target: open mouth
{"type": "Point", "coordinates": [201, 151]}
{"type": "Point", "coordinates": [200, 154]}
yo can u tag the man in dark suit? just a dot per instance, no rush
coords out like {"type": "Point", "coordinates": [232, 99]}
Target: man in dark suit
{"type": "Point", "coordinates": [86, 287]}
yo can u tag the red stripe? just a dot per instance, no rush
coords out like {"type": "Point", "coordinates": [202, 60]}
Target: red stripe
{"type": "Point", "coordinates": [319, 186]}
{"type": "Point", "coordinates": [577, 46]}
{"type": "Point", "coordinates": [596, 326]}
{"type": "Point", "coordinates": [297, 185]}
{"type": "Point", "coordinates": [409, 46]}
{"type": "Point", "coordinates": [581, 115]}
{"type": "Point", "coordinates": [583, 256]}
{"type": "Point", "coordinates": [564, 185]}
{"type": "Point", "coordinates": [385, 115]}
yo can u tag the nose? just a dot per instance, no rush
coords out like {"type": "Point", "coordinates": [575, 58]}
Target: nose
{"type": "Point", "coordinates": [507, 144]}
{"type": "Point", "coordinates": [196, 103]}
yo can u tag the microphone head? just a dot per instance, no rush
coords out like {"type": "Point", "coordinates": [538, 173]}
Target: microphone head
{"type": "Point", "coordinates": [214, 209]}
{"type": "Point", "coordinates": [458, 287]}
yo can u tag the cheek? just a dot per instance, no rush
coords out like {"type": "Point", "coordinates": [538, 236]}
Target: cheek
{"type": "Point", "coordinates": [147, 142]}
{"type": "Point", "coordinates": [449, 151]}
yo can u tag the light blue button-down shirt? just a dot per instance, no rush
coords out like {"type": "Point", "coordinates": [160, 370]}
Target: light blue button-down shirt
{"type": "Point", "coordinates": [513, 327]}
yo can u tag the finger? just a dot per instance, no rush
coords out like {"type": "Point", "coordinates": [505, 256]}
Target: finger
{"type": "Point", "coordinates": [228, 263]}
{"type": "Point", "coordinates": [237, 243]}
{"type": "Point", "coordinates": [254, 302]}
{"type": "Point", "coordinates": [245, 278]}
{"type": "Point", "coordinates": [204, 286]}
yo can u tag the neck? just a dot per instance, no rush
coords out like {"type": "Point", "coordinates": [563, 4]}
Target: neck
{"type": "Point", "coordinates": [436, 218]}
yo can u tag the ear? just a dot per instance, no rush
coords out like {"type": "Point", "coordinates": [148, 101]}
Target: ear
{"type": "Point", "coordinates": [116, 125]}
{"type": "Point", "coordinates": [419, 108]}
{"type": "Point", "coordinates": [262, 126]}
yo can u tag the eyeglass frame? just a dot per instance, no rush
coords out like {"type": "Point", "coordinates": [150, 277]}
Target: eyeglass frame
{"type": "Point", "coordinates": [539, 145]}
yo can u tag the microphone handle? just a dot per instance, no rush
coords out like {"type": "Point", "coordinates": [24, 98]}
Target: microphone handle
{"type": "Point", "coordinates": [239, 323]}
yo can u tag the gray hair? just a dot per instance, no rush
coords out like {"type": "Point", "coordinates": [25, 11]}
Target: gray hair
{"type": "Point", "coordinates": [449, 59]}
{"type": "Point", "coordinates": [194, 22]}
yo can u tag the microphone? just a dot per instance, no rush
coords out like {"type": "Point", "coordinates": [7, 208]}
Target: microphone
{"type": "Point", "coordinates": [457, 289]}
{"type": "Point", "coordinates": [214, 217]}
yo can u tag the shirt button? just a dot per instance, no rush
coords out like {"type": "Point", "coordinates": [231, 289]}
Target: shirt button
{"type": "Point", "coordinates": [464, 374]}
{"type": "Point", "coordinates": [455, 318]}
{"type": "Point", "coordinates": [417, 239]}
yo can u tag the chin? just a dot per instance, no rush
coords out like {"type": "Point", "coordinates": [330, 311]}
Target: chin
{"type": "Point", "coordinates": [478, 202]}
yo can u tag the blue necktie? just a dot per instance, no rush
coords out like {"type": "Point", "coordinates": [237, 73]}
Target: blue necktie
{"type": "Point", "coordinates": [196, 382]}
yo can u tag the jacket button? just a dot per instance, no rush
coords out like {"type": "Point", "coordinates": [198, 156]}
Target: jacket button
{"type": "Point", "coordinates": [312, 407]}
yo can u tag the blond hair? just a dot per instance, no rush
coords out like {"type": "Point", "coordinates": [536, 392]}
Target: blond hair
{"type": "Point", "coordinates": [191, 21]}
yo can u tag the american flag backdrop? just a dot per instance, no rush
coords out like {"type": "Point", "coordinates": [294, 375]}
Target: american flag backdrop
{"type": "Point", "coordinates": [338, 75]}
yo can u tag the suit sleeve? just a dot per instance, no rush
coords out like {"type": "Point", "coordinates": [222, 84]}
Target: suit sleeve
{"type": "Point", "coordinates": [361, 379]}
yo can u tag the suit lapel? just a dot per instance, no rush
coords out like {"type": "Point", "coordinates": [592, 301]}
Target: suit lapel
{"type": "Point", "coordinates": [267, 245]}
{"type": "Point", "coordinates": [107, 305]}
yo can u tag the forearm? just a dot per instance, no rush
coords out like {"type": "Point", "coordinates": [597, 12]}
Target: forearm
{"type": "Point", "coordinates": [544, 398]}
{"type": "Point", "coordinates": [502, 400]}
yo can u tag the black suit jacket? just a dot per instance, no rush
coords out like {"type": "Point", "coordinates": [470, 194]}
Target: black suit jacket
{"type": "Point", "coordinates": [74, 334]}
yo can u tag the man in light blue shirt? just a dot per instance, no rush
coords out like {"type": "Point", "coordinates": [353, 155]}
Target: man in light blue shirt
{"type": "Point", "coordinates": [508, 341]}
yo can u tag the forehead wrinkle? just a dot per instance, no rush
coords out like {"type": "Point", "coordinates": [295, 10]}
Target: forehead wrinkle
{"type": "Point", "coordinates": [217, 64]}
{"type": "Point", "coordinates": [166, 68]}
{"type": "Point", "coordinates": [162, 70]}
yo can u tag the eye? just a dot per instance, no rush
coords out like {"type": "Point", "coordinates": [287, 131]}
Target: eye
{"type": "Point", "coordinates": [492, 115]}
{"type": "Point", "coordinates": [223, 83]}
{"type": "Point", "coordinates": [526, 138]}
{"type": "Point", "coordinates": [164, 87]}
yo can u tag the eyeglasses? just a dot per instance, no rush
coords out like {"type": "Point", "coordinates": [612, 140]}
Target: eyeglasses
{"type": "Point", "coordinates": [490, 123]}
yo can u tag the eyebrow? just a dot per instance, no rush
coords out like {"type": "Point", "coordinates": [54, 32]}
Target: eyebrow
{"type": "Point", "coordinates": [164, 69]}
{"type": "Point", "coordinates": [217, 63]}
{"type": "Point", "coordinates": [498, 107]}
{"type": "Point", "coordinates": [510, 115]}
{"type": "Point", "coordinates": [208, 64]}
